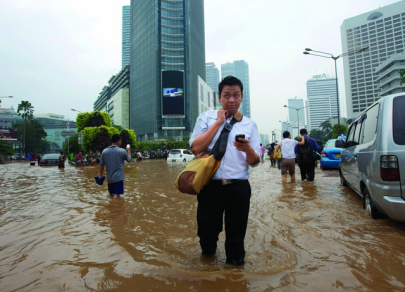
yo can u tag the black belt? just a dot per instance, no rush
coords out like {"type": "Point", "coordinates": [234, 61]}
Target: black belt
{"type": "Point", "coordinates": [227, 181]}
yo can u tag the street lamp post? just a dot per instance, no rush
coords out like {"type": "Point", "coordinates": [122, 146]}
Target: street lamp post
{"type": "Point", "coordinates": [298, 118]}
{"type": "Point", "coordinates": [330, 56]}
{"type": "Point", "coordinates": [76, 110]}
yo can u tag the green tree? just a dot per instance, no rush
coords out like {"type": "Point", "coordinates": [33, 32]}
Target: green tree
{"type": "Point", "coordinates": [34, 132]}
{"type": "Point", "coordinates": [6, 148]}
{"type": "Point", "coordinates": [26, 111]}
{"type": "Point", "coordinates": [337, 130]}
{"type": "Point", "coordinates": [349, 121]}
{"type": "Point", "coordinates": [74, 146]}
{"type": "Point", "coordinates": [402, 75]}
{"type": "Point", "coordinates": [316, 134]}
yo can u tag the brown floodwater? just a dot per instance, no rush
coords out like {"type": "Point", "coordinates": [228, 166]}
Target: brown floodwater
{"type": "Point", "coordinates": [59, 231]}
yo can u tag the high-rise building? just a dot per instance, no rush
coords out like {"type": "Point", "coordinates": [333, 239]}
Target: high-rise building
{"type": "Point", "coordinates": [321, 100]}
{"type": "Point", "coordinates": [126, 35]}
{"type": "Point", "coordinates": [382, 31]}
{"type": "Point", "coordinates": [212, 76]}
{"type": "Point", "coordinates": [239, 69]}
{"type": "Point", "coordinates": [167, 56]}
{"type": "Point", "coordinates": [296, 115]}
{"type": "Point", "coordinates": [206, 96]}
{"type": "Point", "coordinates": [388, 78]}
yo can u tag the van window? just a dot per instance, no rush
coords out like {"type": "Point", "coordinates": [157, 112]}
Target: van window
{"type": "Point", "coordinates": [370, 124]}
{"type": "Point", "coordinates": [398, 120]}
{"type": "Point", "coordinates": [353, 135]}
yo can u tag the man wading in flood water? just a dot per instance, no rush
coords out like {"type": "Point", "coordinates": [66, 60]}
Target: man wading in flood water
{"type": "Point", "coordinates": [229, 190]}
{"type": "Point", "coordinates": [113, 158]}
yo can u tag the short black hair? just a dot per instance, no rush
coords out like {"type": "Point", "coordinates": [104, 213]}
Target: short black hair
{"type": "Point", "coordinates": [115, 138]}
{"type": "Point", "coordinates": [286, 134]}
{"type": "Point", "coordinates": [303, 131]}
{"type": "Point", "coordinates": [61, 152]}
{"type": "Point", "coordinates": [230, 81]}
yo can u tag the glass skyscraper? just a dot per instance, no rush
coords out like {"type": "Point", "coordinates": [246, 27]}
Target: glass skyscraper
{"type": "Point", "coordinates": [239, 69]}
{"type": "Point", "coordinates": [167, 56]}
{"type": "Point", "coordinates": [322, 102]}
{"type": "Point", "coordinates": [126, 35]}
{"type": "Point", "coordinates": [382, 30]}
{"type": "Point", "coordinates": [212, 74]}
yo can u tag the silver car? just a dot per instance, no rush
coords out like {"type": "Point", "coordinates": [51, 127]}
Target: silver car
{"type": "Point", "coordinates": [373, 157]}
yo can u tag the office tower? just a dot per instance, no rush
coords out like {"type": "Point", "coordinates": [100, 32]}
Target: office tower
{"type": "Point", "coordinates": [212, 74]}
{"type": "Point", "coordinates": [296, 114]}
{"type": "Point", "coordinates": [388, 78]}
{"type": "Point", "coordinates": [167, 56]}
{"type": "Point", "coordinates": [126, 35]}
{"type": "Point", "coordinates": [321, 100]}
{"type": "Point", "coordinates": [382, 31]}
{"type": "Point", "coordinates": [239, 69]}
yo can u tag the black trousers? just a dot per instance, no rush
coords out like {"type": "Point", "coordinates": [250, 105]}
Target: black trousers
{"type": "Point", "coordinates": [214, 200]}
{"type": "Point", "coordinates": [307, 170]}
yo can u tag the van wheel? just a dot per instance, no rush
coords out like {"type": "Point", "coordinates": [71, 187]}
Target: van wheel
{"type": "Point", "coordinates": [342, 179]}
{"type": "Point", "coordinates": [184, 160]}
{"type": "Point", "coordinates": [370, 207]}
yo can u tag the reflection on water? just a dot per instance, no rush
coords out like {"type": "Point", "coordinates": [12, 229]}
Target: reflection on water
{"type": "Point", "coordinates": [61, 231]}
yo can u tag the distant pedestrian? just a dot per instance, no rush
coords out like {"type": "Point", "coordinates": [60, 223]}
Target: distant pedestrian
{"type": "Point", "coordinates": [307, 156]}
{"type": "Point", "coordinates": [62, 160]}
{"type": "Point", "coordinates": [79, 159]}
{"type": "Point", "coordinates": [39, 158]}
{"type": "Point", "coordinates": [287, 161]}
{"type": "Point", "coordinates": [262, 149]}
{"type": "Point", "coordinates": [113, 159]}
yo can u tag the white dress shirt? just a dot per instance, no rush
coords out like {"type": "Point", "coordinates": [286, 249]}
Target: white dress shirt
{"type": "Point", "coordinates": [233, 164]}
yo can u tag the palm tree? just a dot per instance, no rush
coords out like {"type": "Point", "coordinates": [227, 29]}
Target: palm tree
{"type": "Point", "coordinates": [25, 110]}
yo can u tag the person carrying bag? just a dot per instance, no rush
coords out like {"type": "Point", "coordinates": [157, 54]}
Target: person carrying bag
{"type": "Point", "coordinates": [227, 193]}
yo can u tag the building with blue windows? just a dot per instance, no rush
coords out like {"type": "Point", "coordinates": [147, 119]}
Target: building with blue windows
{"type": "Point", "coordinates": [239, 69]}
{"type": "Point", "coordinates": [167, 56]}
{"type": "Point", "coordinates": [126, 35]}
{"type": "Point", "coordinates": [212, 74]}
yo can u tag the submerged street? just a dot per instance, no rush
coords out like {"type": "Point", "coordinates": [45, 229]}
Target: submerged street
{"type": "Point", "coordinates": [59, 230]}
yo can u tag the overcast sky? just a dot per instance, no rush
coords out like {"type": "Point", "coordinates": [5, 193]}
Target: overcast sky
{"type": "Point", "coordinates": [59, 54]}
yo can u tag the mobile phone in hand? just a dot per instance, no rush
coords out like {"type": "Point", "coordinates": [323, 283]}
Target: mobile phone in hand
{"type": "Point", "coordinates": [128, 146]}
{"type": "Point", "coordinates": [239, 136]}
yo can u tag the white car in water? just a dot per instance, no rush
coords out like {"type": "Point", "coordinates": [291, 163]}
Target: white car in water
{"type": "Point", "coordinates": [179, 155]}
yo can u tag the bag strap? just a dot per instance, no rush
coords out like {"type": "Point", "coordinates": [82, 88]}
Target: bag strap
{"type": "Point", "coordinates": [220, 145]}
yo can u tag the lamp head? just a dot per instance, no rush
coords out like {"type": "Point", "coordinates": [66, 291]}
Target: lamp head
{"type": "Point", "coordinates": [305, 53]}
{"type": "Point", "coordinates": [363, 49]}
{"type": "Point", "coordinates": [285, 106]}
{"type": "Point", "coordinates": [308, 50]}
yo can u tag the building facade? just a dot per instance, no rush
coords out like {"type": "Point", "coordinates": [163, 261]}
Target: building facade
{"type": "Point", "coordinates": [212, 76]}
{"type": "Point", "coordinates": [126, 35]}
{"type": "Point", "coordinates": [240, 69]}
{"type": "Point", "coordinates": [388, 78]}
{"type": "Point", "coordinates": [321, 101]}
{"type": "Point", "coordinates": [118, 108]}
{"type": "Point", "coordinates": [206, 96]}
{"type": "Point", "coordinates": [167, 56]}
{"type": "Point", "coordinates": [115, 84]}
{"type": "Point", "coordinates": [382, 31]}
{"type": "Point", "coordinates": [53, 125]}
{"type": "Point", "coordinates": [296, 112]}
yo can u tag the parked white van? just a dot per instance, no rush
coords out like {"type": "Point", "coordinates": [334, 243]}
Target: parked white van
{"type": "Point", "coordinates": [373, 157]}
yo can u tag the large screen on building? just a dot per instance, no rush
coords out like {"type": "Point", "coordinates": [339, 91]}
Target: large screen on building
{"type": "Point", "coordinates": [173, 92]}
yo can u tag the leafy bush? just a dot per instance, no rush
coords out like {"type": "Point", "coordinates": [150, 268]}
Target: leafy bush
{"type": "Point", "coordinates": [93, 119]}
{"type": "Point", "coordinates": [6, 148]}
{"type": "Point", "coordinates": [97, 138]}
{"type": "Point", "coordinates": [128, 137]}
